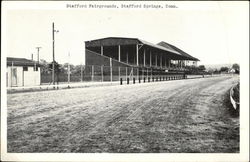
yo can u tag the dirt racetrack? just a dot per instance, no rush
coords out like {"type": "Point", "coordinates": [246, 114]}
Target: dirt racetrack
{"type": "Point", "coordinates": [172, 116]}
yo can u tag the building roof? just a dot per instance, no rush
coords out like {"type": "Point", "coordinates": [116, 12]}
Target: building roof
{"type": "Point", "coordinates": [115, 41]}
{"type": "Point", "coordinates": [21, 62]}
{"type": "Point", "coordinates": [167, 45]}
{"type": "Point", "coordinates": [163, 46]}
{"type": "Point", "coordinates": [159, 47]}
{"type": "Point", "coordinates": [111, 41]}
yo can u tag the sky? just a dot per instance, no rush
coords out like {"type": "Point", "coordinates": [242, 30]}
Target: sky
{"type": "Point", "coordinates": [214, 32]}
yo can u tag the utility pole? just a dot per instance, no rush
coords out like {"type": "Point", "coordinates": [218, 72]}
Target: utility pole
{"type": "Point", "coordinates": [53, 45]}
{"type": "Point", "coordinates": [38, 54]}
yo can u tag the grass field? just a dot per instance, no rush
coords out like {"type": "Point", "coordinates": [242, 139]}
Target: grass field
{"type": "Point", "coordinates": [174, 116]}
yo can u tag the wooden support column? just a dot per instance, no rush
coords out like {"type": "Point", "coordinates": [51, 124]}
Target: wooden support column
{"type": "Point", "coordinates": [119, 72]}
{"type": "Point", "coordinates": [165, 62]}
{"type": "Point", "coordinates": [127, 58]}
{"type": "Point", "coordinates": [150, 58]}
{"type": "Point", "coordinates": [119, 53]}
{"type": "Point", "coordinates": [111, 69]}
{"type": "Point", "coordinates": [151, 73]}
{"type": "Point", "coordinates": [137, 55]}
{"type": "Point", "coordinates": [126, 72]}
{"type": "Point", "coordinates": [156, 60]}
{"type": "Point", "coordinates": [92, 73]}
{"type": "Point", "coordinates": [144, 58]}
{"type": "Point", "coordinates": [132, 72]}
{"type": "Point", "coordinates": [138, 73]}
{"type": "Point", "coordinates": [102, 72]}
{"type": "Point", "coordinates": [142, 73]}
{"type": "Point", "coordinates": [101, 50]}
{"type": "Point", "coordinates": [161, 60]}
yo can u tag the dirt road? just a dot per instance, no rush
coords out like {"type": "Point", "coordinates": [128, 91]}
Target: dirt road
{"type": "Point", "coordinates": [171, 116]}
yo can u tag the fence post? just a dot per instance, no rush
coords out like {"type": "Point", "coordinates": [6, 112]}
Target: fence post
{"type": "Point", "coordinates": [151, 73]}
{"type": "Point", "coordinates": [111, 73]}
{"type": "Point", "coordinates": [92, 76]}
{"type": "Point", "coordinates": [142, 71]}
{"type": "Point", "coordinates": [126, 71]}
{"type": "Point", "coordinates": [138, 74]}
{"type": "Point", "coordinates": [81, 73]}
{"type": "Point", "coordinates": [102, 72]}
{"type": "Point", "coordinates": [147, 72]}
{"type": "Point", "coordinates": [111, 69]}
{"type": "Point", "coordinates": [132, 72]}
{"type": "Point", "coordinates": [119, 72]}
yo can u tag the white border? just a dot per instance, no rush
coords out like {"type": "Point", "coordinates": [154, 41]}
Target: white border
{"type": "Point", "coordinates": [244, 111]}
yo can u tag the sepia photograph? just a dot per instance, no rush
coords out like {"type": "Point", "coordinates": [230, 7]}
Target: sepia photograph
{"type": "Point", "coordinates": [125, 81]}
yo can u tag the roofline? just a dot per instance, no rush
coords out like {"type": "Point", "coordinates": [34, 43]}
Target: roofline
{"type": "Point", "coordinates": [25, 62]}
{"type": "Point", "coordinates": [139, 40]}
{"type": "Point", "coordinates": [173, 51]}
{"type": "Point", "coordinates": [189, 56]}
{"type": "Point", "coordinates": [158, 46]}
{"type": "Point", "coordinates": [112, 38]}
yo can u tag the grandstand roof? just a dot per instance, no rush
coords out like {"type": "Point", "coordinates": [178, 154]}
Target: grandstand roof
{"type": "Point", "coordinates": [167, 45]}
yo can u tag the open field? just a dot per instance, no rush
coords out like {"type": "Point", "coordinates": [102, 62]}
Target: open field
{"type": "Point", "coordinates": [172, 116]}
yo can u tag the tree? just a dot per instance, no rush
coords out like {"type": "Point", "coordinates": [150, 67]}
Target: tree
{"type": "Point", "coordinates": [216, 71]}
{"type": "Point", "coordinates": [236, 67]}
{"type": "Point", "coordinates": [65, 68]}
{"type": "Point", "coordinates": [201, 68]}
{"type": "Point", "coordinates": [224, 69]}
{"type": "Point", "coordinates": [45, 66]}
{"type": "Point", "coordinates": [210, 70]}
{"type": "Point", "coordinates": [79, 68]}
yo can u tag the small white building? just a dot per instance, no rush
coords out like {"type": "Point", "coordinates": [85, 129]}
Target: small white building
{"type": "Point", "coordinates": [22, 72]}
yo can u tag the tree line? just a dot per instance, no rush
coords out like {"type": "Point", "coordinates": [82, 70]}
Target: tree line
{"type": "Point", "coordinates": [46, 68]}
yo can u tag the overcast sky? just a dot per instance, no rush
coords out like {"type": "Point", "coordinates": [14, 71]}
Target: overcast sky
{"type": "Point", "coordinates": [214, 32]}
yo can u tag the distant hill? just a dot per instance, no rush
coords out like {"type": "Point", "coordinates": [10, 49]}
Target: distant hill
{"type": "Point", "coordinates": [217, 66]}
